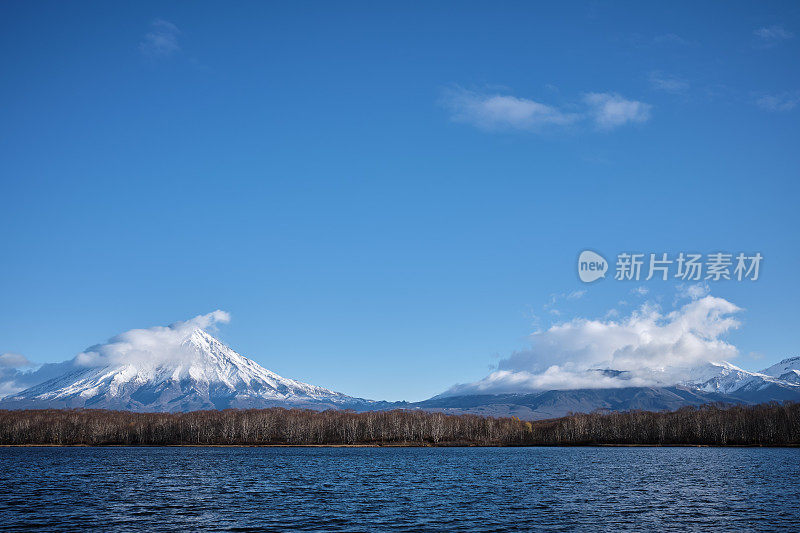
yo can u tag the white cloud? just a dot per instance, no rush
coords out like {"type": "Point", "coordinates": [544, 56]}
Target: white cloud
{"type": "Point", "coordinates": [555, 298]}
{"type": "Point", "coordinates": [152, 345]}
{"type": "Point", "coordinates": [772, 35]}
{"type": "Point", "coordinates": [611, 110]}
{"type": "Point", "coordinates": [693, 291]}
{"type": "Point", "coordinates": [161, 41]}
{"type": "Point", "coordinates": [14, 360]}
{"type": "Point", "coordinates": [779, 102]}
{"type": "Point", "coordinates": [641, 290]}
{"type": "Point", "coordinates": [503, 112]}
{"type": "Point", "coordinates": [666, 83]}
{"type": "Point", "coordinates": [13, 369]}
{"type": "Point", "coordinates": [648, 347]}
{"type": "Point", "coordinates": [14, 379]}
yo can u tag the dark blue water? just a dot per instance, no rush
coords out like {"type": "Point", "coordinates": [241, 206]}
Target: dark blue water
{"type": "Point", "coordinates": [405, 489]}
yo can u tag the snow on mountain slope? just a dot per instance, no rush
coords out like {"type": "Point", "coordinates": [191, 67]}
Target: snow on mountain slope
{"type": "Point", "coordinates": [723, 377]}
{"type": "Point", "coordinates": [787, 370]}
{"type": "Point", "coordinates": [202, 373]}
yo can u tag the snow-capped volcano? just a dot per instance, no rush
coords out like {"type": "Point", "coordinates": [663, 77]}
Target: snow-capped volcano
{"type": "Point", "coordinates": [199, 373]}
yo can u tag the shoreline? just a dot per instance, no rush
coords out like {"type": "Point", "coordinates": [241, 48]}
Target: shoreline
{"type": "Point", "coordinates": [397, 446]}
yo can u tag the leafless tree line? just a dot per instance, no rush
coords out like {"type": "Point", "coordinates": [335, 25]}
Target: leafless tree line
{"type": "Point", "coordinates": [761, 425]}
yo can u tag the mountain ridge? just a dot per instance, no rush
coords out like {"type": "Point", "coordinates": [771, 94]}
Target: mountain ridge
{"type": "Point", "coordinates": [200, 372]}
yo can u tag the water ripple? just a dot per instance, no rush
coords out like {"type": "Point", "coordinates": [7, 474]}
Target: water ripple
{"type": "Point", "coordinates": [399, 489]}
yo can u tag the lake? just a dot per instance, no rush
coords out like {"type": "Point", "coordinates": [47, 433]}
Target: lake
{"type": "Point", "coordinates": [399, 489]}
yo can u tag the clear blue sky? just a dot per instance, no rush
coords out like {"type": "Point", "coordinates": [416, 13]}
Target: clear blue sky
{"type": "Point", "coordinates": [337, 179]}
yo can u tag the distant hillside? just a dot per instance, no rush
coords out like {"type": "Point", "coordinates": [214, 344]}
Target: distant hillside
{"type": "Point", "coordinates": [709, 383]}
{"type": "Point", "coordinates": [557, 403]}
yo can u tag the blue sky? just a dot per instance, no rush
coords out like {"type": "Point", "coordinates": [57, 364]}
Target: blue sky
{"type": "Point", "coordinates": [386, 199]}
